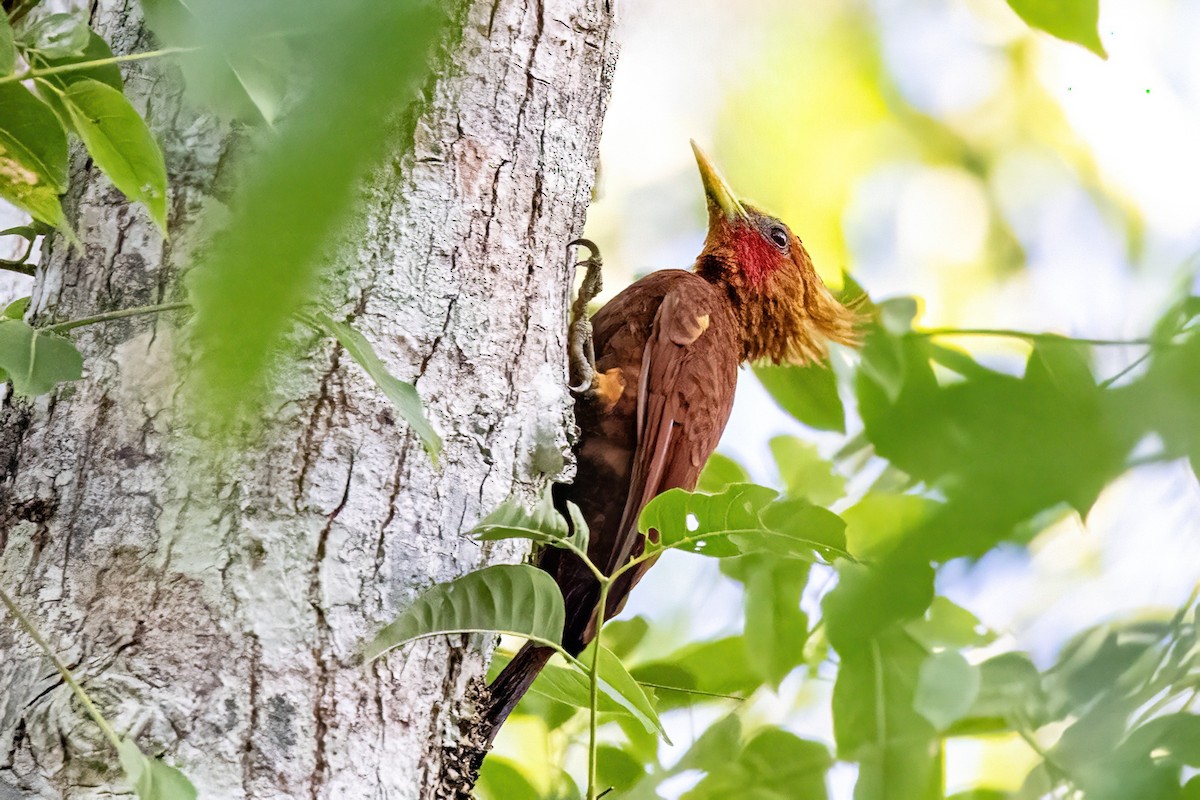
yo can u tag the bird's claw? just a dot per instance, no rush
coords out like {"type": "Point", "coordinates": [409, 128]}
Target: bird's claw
{"type": "Point", "coordinates": [581, 351]}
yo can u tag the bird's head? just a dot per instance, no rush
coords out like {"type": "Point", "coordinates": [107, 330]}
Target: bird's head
{"type": "Point", "coordinates": [786, 311]}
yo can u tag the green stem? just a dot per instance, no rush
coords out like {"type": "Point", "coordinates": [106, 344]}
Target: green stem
{"type": "Point", "coordinates": [716, 695]}
{"type": "Point", "coordinates": [94, 712]}
{"type": "Point", "coordinates": [71, 324]}
{"type": "Point", "coordinates": [99, 62]}
{"type": "Point", "coordinates": [594, 685]}
{"type": "Point", "coordinates": [20, 267]}
{"type": "Point", "coordinates": [1044, 338]}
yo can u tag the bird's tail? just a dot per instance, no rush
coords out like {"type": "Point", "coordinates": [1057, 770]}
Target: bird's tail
{"type": "Point", "coordinates": [511, 684]}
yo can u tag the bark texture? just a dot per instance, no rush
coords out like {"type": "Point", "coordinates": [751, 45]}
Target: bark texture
{"type": "Point", "coordinates": [218, 614]}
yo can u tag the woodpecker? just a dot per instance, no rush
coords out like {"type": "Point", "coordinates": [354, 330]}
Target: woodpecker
{"type": "Point", "coordinates": [656, 380]}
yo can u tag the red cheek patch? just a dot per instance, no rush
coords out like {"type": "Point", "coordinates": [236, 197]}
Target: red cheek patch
{"type": "Point", "coordinates": [755, 256]}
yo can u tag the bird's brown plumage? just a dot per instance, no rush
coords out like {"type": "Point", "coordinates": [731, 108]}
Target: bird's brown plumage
{"type": "Point", "coordinates": [668, 348]}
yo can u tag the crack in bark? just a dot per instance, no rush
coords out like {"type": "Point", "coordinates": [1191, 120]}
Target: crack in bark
{"type": "Point", "coordinates": [252, 726]}
{"type": "Point", "coordinates": [308, 449]}
{"type": "Point", "coordinates": [321, 688]}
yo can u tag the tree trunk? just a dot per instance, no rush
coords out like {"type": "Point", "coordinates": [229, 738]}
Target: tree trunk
{"type": "Point", "coordinates": [218, 614]}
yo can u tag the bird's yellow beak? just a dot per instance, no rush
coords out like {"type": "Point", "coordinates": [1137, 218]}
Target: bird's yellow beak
{"type": "Point", "coordinates": [720, 196]}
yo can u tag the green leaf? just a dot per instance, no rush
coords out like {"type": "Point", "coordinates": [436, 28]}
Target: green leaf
{"type": "Point", "coordinates": [58, 35]}
{"type": "Point", "coordinates": [1010, 697]}
{"type": "Point", "coordinates": [877, 523]}
{"type": "Point", "coordinates": [36, 362]}
{"type": "Point", "coordinates": [717, 667]}
{"type": "Point", "coordinates": [517, 599]}
{"type": "Point", "coordinates": [618, 684]}
{"type": "Point", "coordinates": [1000, 449]}
{"type": "Point", "coordinates": [946, 624]}
{"type": "Point", "coordinates": [805, 474]}
{"type": "Point", "coordinates": [16, 309]}
{"type": "Point", "coordinates": [368, 60]}
{"type": "Point", "coordinates": [884, 360]}
{"type": "Point", "coordinates": [946, 688]}
{"type": "Point", "coordinates": [501, 779]}
{"type": "Point", "coordinates": [8, 48]}
{"type": "Point", "coordinates": [742, 519]}
{"type": "Point", "coordinates": [773, 764]}
{"type": "Point", "coordinates": [1173, 737]}
{"type": "Point", "coordinates": [809, 393]}
{"type": "Point", "coordinates": [152, 779]}
{"type": "Point", "coordinates": [622, 636]}
{"type": "Point", "coordinates": [120, 143]}
{"type": "Point", "coordinates": [33, 154]}
{"type": "Point", "coordinates": [50, 87]}
{"type": "Point", "coordinates": [719, 472]}
{"type": "Point", "coordinates": [691, 521]}
{"type": "Point", "coordinates": [897, 314]}
{"type": "Point", "coordinates": [617, 769]}
{"type": "Point", "coordinates": [870, 597]}
{"type": "Point", "coordinates": [569, 685]}
{"type": "Point", "coordinates": [1070, 20]}
{"type": "Point", "coordinates": [713, 747]}
{"type": "Point", "coordinates": [542, 524]}
{"type": "Point", "coordinates": [775, 628]}
{"type": "Point", "coordinates": [403, 395]}
{"type": "Point", "coordinates": [875, 723]}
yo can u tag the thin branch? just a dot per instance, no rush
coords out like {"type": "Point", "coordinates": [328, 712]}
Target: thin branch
{"type": "Point", "coordinates": [1137, 362]}
{"type": "Point", "coordinates": [71, 324]}
{"type": "Point", "coordinates": [19, 267]}
{"type": "Point", "coordinates": [69, 679]}
{"type": "Point", "coordinates": [1041, 338]}
{"type": "Point", "coordinates": [681, 690]}
{"type": "Point", "coordinates": [99, 62]}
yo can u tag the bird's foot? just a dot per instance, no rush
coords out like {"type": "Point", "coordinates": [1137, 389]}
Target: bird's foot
{"type": "Point", "coordinates": [606, 387]}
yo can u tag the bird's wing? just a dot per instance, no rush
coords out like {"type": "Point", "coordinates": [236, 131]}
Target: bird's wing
{"type": "Point", "coordinates": [685, 393]}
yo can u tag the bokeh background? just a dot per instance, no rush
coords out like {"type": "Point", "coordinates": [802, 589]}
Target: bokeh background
{"type": "Point", "coordinates": [940, 149]}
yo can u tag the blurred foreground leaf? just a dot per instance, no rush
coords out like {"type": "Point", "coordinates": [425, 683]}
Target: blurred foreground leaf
{"type": "Point", "coordinates": [238, 59]}
{"type": "Point", "coordinates": [809, 393]}
{"type": "Point", "coordinates": [501, 779]}
{"type": "Point", "coordinates": [773, 764]}
{"type": "Point", "coordinates": [947, 686]}
{"type": "Point", "coordinates": [1069, 20]}
{"type": "Point", "coordinates": [875, 722]}
{"type": "Point", "coordinates": [366, 66]}
{"type": "Point", "coordinates": [775, 628]}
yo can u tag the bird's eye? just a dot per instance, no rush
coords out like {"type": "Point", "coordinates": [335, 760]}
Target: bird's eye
{"type": "Point", "coordinates": [779, 237]}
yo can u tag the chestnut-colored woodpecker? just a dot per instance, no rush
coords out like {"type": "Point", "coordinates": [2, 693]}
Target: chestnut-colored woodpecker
{"type": "Point", "coordinates": [652, 406]}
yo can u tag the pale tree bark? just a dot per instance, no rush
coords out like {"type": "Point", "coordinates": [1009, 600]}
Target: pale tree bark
{"type": "Point", "coordinates": [218, 613]}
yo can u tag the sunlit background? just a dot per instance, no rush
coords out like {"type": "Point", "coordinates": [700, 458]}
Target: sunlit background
{"type": "Point", "coordinates": [935, 148]}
